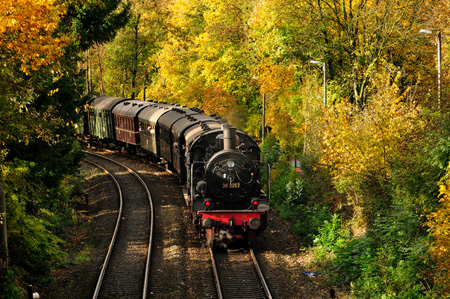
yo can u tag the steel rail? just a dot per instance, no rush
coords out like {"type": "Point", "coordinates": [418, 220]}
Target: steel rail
{"type": "Point", "coordinates": [116, 229]}
{"type": "Point", "coordinates": [260, 274]}
{"type": "Point", "coordinates": [216, 274]}
{"type": "Point", "coordinates": [148, 259]}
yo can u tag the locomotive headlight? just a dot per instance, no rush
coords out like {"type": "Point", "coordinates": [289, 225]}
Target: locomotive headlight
{"type": "Point", "coordinates": [255, 223]}
{"type": "Point", "coordinates": [230, 163]}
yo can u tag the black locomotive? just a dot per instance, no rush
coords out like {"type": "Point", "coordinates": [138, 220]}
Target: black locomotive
{"type": "Point", "coordinates": [218, 163]}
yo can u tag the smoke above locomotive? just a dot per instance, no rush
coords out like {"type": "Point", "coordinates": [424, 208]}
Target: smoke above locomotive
{"type": "Point", "coordinates": [219, 165]}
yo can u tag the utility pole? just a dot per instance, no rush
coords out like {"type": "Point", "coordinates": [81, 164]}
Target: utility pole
{"type": "Point", "coordinates": [324, 70]}
{"type": "Point", "coordinates": [263, 117]}
{"type": "Point", "coordinates": [263, 131]}
{"type": "Point", "coordinates": [439, 54]}
{"type": "Point", "coordinates": [439, 58]}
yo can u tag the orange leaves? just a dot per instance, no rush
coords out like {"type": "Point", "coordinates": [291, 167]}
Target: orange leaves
{"type": "Point", "coordinates": [215, 100]}
{"type": "Point", "coordinates": [26, 32]}
{"type": "Point", "coordinates": [274, 77]}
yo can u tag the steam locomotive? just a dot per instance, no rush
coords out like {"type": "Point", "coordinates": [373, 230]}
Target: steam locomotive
{"type": "Point", "coordinates": [218, 164]}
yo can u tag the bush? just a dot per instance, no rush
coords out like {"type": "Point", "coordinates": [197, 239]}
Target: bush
{"type": "Point", "coordinates": [281, 176]}
{"type": "Point", "coordinates": [297, 193]}
{"type": "Point", "coordinates": [10, 286]}
{"type": "Point", "coordinates": [390, 261]}
{"type": "Point", "coordinates": [309, 219]}
{"type": "Point", "coordinates": [37, 215]}
{"type": "Point", "coordinates": [331, 235]}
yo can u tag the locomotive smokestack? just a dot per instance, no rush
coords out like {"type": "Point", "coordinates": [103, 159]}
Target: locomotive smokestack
{"type": "Point", "coordinates": [229, 137]}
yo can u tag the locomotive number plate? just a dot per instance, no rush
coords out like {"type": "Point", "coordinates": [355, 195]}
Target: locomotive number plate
{"type": "Point", "coordinates": [231, 185]}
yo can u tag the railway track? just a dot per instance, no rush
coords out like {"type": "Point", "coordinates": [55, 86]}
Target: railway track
{"type": "Point", "coordinates": [237, 275]}
{"type": "Point", "coordinates": [125, 271]}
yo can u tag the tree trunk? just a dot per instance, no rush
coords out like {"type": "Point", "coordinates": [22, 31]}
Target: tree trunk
{"type": "Point", "coordinates": [3, 235]}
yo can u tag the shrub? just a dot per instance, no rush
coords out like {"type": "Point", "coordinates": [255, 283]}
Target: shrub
{"type": "Point", "coordinates": [309, 219]}
{"type": "Point", "coordinates": [331, 235]}
{"type": "Point", "coordinates": [389, 261]}
{"type": "Point", "coordinates": [297, 193]}
{"type": "Point", "coordinates": [10, 286]}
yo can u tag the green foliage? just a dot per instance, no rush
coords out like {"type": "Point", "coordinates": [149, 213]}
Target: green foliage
{"type": "Point", "coordinates": [331, 235]}
{"type": "Point", "coordinates": [291, 195]}
{"type": "Point", "coordinates": [308, 220]}
{"type": "Point", "coordinates": [438, 143]}
{"type": "Point", "coordinates": [281, 176]}
{"type": "Point", "coordinates": [271, 150]}
{"type": "Point", "coordinates": [390, 261]}
{"type": "Point", "coordinates": [11, 288]}
{"type": "Point", "coordinates": [34, 216]}
{"type": "Point", "coordinates": [130, 53]}
{"type": "Point", "coordinates": [297, 193]}
{"type": "Point", "coordinates": [94, 21]}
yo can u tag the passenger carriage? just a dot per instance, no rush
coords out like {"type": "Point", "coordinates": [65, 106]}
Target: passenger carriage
{"type": "Point", "coordinates": [148, 120]}
{"type": "Point", "coordinates": [127, 127]}
{"type": "Point", "coordinates": [100, 118]}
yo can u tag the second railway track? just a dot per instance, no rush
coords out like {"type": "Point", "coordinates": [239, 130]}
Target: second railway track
{"type": "Point", "coordinates": [124, 273]}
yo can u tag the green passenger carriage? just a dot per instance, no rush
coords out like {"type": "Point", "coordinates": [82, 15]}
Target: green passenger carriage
{"type": "Point", "coordinates": [101, 117]}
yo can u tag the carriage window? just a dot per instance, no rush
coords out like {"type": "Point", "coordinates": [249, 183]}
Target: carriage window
{"type": "Point", "coordinates": [151, 129]}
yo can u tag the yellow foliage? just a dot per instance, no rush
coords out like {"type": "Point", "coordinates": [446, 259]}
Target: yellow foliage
{"type": "Point", "coordinates": [361, 142]}
{"type": "Point", "coordinates": [439, 223]}
{"type": "Point", "coordinates": [274, 76]}
{"type": "Point", "coordinates": [26, 29]}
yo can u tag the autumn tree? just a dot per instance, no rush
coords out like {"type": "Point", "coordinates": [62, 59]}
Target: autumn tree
{"type": "Point", "coordinates": [40, 89]}
{"type": "Point", "coordinates": [27, 44]}
{"type": "Point", "coordinates": [175, 78]}
{"type": "Point", "coordinates": [124, 66]}
{"type": "Point", "coordinates": [206, 58]}
{"type": "Point", "coordinates": [358, 146]}
{"type": "Point", "coordinates": [349, 36]}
